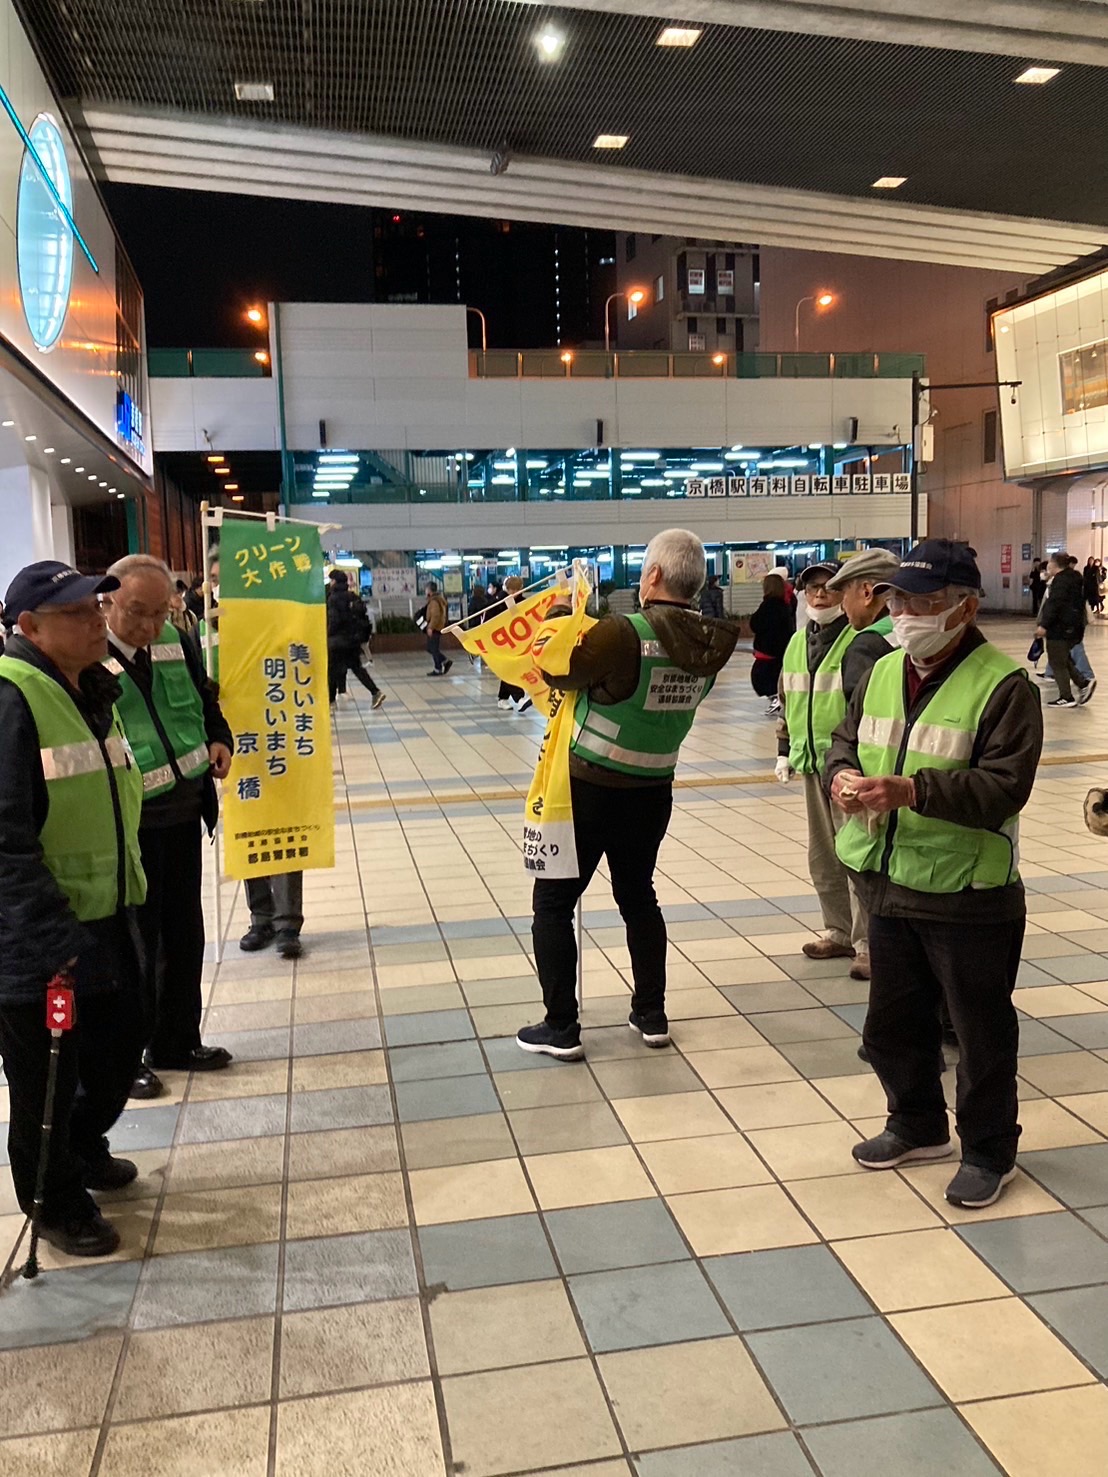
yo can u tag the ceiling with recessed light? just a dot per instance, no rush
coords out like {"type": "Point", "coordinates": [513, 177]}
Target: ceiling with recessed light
{"type": "Point", "coordinates": [746, 131]}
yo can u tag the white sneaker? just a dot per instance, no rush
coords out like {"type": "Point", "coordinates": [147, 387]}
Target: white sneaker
{"type": "Point", "coordinates": [504, 704]}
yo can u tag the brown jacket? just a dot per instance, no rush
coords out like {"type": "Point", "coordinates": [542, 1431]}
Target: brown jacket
{"type": "Point", "coordinates": [996, 787]}
{"type": "Point", "coordinates": [436, 613]}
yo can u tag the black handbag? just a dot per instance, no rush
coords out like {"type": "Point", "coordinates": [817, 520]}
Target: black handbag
{"type": "Point", "coordinates": [1035, 650]}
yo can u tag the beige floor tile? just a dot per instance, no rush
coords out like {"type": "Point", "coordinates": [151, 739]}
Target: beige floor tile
{"type": "Point", "coordinates": [232, 1443]}
{"type": "Point", "coordinates": [223, 1165]}
{"type": "Point", "coordinates": [393, 976]}
{"type": "Point", "coordinates": [131, 1218]}
{"type": "Point", "coordinates": [1098, 990]}
{"type": "Point", "coordinates": [343, 1069]}
{"type": "Point", "coordinates": [858, 1096]}
{"type": "Point", "coordinates": [677, 1394]}
{"type": "Point", "coordinates": [49, 1456]}
{"type": "Point", "coordinates": [1065, 1073]}
{"type": "Point", "coordinates": [1091, 1107]}
{"type": "Point", "coordinates": [759, 971]}
{"type": "Point", "coordinates": [688, 1005]}
{"type": "Point", "coordinates": [172, 1371]}
{"type": "Point", "coordinates": [726, 947]}
{"type": "Point", "coordinates": [339, 1151]}
{"type": "Point", "coordinates": [242, 1079]}
{"type": "Point", "coordinates": [334, 982]}
{"type": "Point", "coordinates": [752, 1218]}
{"type": "Point", "coordinates": [919, 1269]}
{"type": "Point", "coordinates": [717, 1033]}
{"type": "Point", "coordinates": [336, 1207]}
{"type": "Point", "coordinates": [670, 1116]}
{"type": "Point", "coordinates": [391, 1431]}
{"type": "Point", "coordinates": [587, 1176]}
{"type": "Point", "coordinates": [467, 1192]}
{"type": "Point", "coordinates": [808, 1152]}
{"type": "Point", "coordinates": [1068, 920]}
{"type": "Point", "coordinates": [248, 989]}
{"type": "Point", "coordinates": [266, 1015]}
{"type": "Point", "coordinates": [331, 1349]}
{"type": "Point", "coordinates": [489, 1437]}
{"type": "Point", "coordinates": [501, 1327]}
{"type": "Point", "coordinates": [743, 1066]}
{"type": "Point", "coordinates": [1044, 1000]}
{"type": "Point", "coordinates": [467, 1140]}
{"type": "Point", "coordinates": [317, 1009]}
{"type": "Point", "coordinates": [1047, 1125]}
{"type": "Point", "coordinates": [1022, 1197]}
{"type": "Point", "coordinates": [196, 1219]}
{"type": "Point", "coordinates": [720, 1162]}
{"type": "Point", "coordinates": [775, 1105]}
{"type": "Point", "coordinates": [1056, 1433]}
{"type": "Point", "coordinates": [56, 1386]}
{"type": "Point", "coordinates": [862, 1205]}
{"type": "Point", "coordinates": [570, 1126]}
{"type": "Point", "coordinates": [1003, 1349]}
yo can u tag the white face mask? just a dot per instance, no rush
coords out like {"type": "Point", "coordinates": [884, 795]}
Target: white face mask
{"type": "Point", "coordinates": [823, 615]}
{"type": "Point", "coordinates": [924, 636]}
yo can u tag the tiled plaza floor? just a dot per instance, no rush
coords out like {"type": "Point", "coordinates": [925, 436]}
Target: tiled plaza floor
{"type": "Point", "coordinates": [387, 1242]}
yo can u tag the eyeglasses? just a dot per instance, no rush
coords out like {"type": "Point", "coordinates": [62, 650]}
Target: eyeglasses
{"type": "Point", "coordinates": [919, 604]}
{"type": "Point", "coordinates": [86, 612]}
{"type": "Point", "coordinates": [137, 613]}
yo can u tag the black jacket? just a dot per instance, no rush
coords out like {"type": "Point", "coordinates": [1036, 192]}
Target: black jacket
{"type": "Point", "coordinates": [189, 799]}
{"type": "Point", "coordinates": [39, 932]}
{"type": "Point", "coordinates": [1063, 613]}
{"type": "Point", "coordinates": [348, 622]}
{"type": "Point", "coordinates": [711, 602]}
{"type": "Point", "coordinates": [773, 624]}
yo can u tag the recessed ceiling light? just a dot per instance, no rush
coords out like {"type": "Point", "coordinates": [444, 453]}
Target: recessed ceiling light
{"type": "Point", "coordinates": [611, 140]}
{"type": "Point", "coordinates": [30, 438]}
{"type": "Point", "coordinates": [120, 496]}
{"type": "Point", "coordinates": [7, 423]}
{"type": "Point", "coordinates": [679, 36]}
{"type": "Point", "coordinates": [238, 498]}
{"type": "Point", "coordinates": [254, 92]}
{"type": "Point", "coordinates": [222, 471]}
{"type": "Point", "coordinates": [550, 43]}
{"type": "Point", "coordinates": [218, 457]}
{"type": "Point", "coordinates": [113, 489]}
{"type": "Point", "coordinates": [103, 484]}
{"type": "Point", "coordinates": [92, 476]}
{"type": "Point", "coordinates": [889, 182]}
{"type": "Point", "coordinates": [78, 469]}
{"type": "Point", "coordinates": [66, 460]}
{"type": "Point", "coordinates": [230, 487]}
{"type": "Point", "coordinates": [1038, 75]}
{"type": "Point", "coordinates": [48, 451]}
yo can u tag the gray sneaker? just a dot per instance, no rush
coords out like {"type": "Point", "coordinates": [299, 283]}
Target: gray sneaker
{"type": "Point", "coordinates": [974, 1187]}
{"type": "Point", "coordinates": [888, 1150]}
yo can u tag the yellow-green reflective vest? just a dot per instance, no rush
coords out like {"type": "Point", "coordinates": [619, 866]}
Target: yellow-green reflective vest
{"type": "Point", "coordinates": [814, 701]}
{"type": "Point", "coordinates": [643, 734]}
{"type": "Point", "coordinates": [913, 850]}
{"type": "Point", "coordinates": [202, 632]}
{"type": "Point", "coordinates": [173, 745]}
{"type": "Point", "coordinates": [94, 795]}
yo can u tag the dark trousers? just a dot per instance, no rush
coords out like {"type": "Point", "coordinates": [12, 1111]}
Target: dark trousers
{"type": "Point", "coordinates": [1060, 658]}
{"type": "Point", "coordinates": [434, 649]}
{"type": "Point", "coordinates": [97, 1065]}
{"type": "Point", "coordinates": [914, 966]}
{"type": "Point", "coordinates": [171, 922]}
{"type": "Point", "coordinates": [277, 902]}
{"type": "Point", "coordinates": [508, 691]}
{"type": "Point", "coordinates": [339, 663]}
{"type": "Point", "coordinates": [626, 826]}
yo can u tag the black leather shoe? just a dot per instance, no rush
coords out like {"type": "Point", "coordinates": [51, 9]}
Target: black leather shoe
{"type": "Point", "coordinates": [202, 1059]}
{"type": "Point", "coordinates": [90, 1235]}
{"type": "Point", "coordinates": [147, 1084]}
{"type": "Point", "coordinates": [256, 938]}
{"type": "Point", "coordinates": [289, 945]}
{"type": "Point", "coordinates": [109, 1173]}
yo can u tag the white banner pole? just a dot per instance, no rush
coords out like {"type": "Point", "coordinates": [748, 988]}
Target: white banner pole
{"type": "Point", "coordinates": [212, 518]}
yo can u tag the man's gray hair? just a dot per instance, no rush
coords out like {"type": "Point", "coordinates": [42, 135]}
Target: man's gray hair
{"type": "Point", "coordinates": [679, 555]}
{"type": "Point", "coordinates": [138, 563]}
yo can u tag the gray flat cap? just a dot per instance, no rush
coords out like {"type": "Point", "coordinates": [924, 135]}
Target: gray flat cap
{"type": "Point", "coordinates": [878, 565]}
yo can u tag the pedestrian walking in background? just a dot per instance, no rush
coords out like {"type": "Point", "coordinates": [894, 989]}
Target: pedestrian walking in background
{"type": "Point", "coordinates": [1062, 627]}
{"type": "Point", "coordinates": [436, 620]}
{"type": "Point", "coordinates": [348, 629]}
{"type": "Point", "coordinates": [1036, 582]}
{"type": "Point", "coordinates": [1091, 581]}
{"type": "Point", "coordinates": [772, 624]}
{"type": "Point", "coordinates": [510, 696]}
{"type": "Point", "coordinates": [711, 599]}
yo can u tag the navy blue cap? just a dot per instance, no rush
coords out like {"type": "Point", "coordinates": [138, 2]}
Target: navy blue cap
{"type": "Point", "coordinates": [933, 565]}
{"type": "Point", "coordinates": [829, 567]}
{"type": "Point", "coordinates": [50, 583]}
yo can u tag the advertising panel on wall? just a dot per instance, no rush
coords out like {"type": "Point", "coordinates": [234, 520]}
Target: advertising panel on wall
{"type": "Point", "coordinates": [69, 301]}
{"type": "Point", "coordinates": [1056, 345]}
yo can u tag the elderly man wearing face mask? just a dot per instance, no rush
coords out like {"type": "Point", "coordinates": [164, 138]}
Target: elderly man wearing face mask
{"type": "Point", "coordinates": [933, 763]}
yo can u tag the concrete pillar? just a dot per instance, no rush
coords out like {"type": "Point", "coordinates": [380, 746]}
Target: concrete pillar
{"type": "Point", "coordinates": [61, 519]}
{"type": "Point", "coordinates": [26, 518]}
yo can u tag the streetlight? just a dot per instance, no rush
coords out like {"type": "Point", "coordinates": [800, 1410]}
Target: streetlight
{"type": "Point", "coordinates": [255, 316]}
{"type": "Point", "coordinates": [636, 295]}
{"type": "Point", "coordinates": [484, 329]}
{"type": "Point", "coordinates": [821, 299]}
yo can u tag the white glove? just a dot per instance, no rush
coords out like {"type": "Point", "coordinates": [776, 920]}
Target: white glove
{"type": "Point", "coordinates": [783, 770]}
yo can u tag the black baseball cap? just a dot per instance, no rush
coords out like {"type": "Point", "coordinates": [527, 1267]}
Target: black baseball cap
{"type": "Point", "coordinates": [933, 565]}
{"type": "Point", "coordinates": [827, 567]}
{"type": "Point", "coordinates": [50, 583]}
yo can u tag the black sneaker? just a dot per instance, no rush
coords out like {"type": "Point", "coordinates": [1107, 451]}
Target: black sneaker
{"type": "Point", "coordinates": [257, 936]}
{"type": "Point", "coordinates": [1086, 693]}
{"type": "Point", "coordinates": [888, 1150]}
{"type": "Point", "coordinates": [201, 1059]}
{"type": "Point", "coordinates": [378, 699]}
{"type": "Point", "coordinates": [863, 1054]}
{"type": "Point", "coordinates": [1062, 702]}
{"type": "Point", "coordinates": [524, 705]}
{"type": "Point", "coordinates": [544, 1040]}
{"type": "Point", "coordinates": [974, 1187]}
{"type": "Point", "coordinates": [104, 1172]}
{"type": "Point", "coordinates": [147, 1084]}
{"type": "Point", "coordinates": [654, 1029]}
{"type": "Point", "coordinates": [446, 667]}
{"type": "Point", "coordinates": [89, 1235]}
{"type": "Point", "coordinates": [289, 945]}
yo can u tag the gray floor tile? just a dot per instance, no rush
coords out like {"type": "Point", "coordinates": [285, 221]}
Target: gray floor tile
{"type": "Point", "coordinates": [1031, 974]}
{"type": "Point", "coordinates": [1037, 1038]}
{"type": "Point", "coordinates": [567, 1126]}
{"type": "Point", "coordinates": [446, 1059]}
{"type": "Point", "coordinates": [1097, 1218]}
{"type": "Point", "coordinates": [791, 1027]}
{"type": "Point", "coordinates": [505, 1056]}
{"type": "Point", "coordinates": [777, 1455]}
{"type": "Point", "coordinates": [445, 1097]}
{"type": "Point", "coordinates": [685, 912]}
{"type": "Point", "coordinates": [253, 1046]}
{"type": "Point", "coordinates": [773, 1289]}
{"type": "Point", "coordinates": [339, 1107]}
{"type": "Point", "coordinates": [836, 1371]}
{"type": "Point", "coordinates": [917, 1445]}
{"type": "Point", "coordinates": [776, 995]}
{"type": "Point", "coordinates": [325, 1037]}
{"type": "Point", "coordinates": [348, 1269]}
{"type": "Point", "coordinates": [754, 907]}
{"type": "Point", "coordinates": [1077, 1176]}
{"type": "Point", "coordinates": [409, 933]}
{"type": "Point", "coordinates": [1076, 970]}
{"type": "Point", "coordinates": [428, 1026]}
{"type": "Point", "coordinates": [625, 1233]}
{"type": "Point", "coordinates": [1080, 1315]}
{"type": "Point", "coordinates": [1090, 1031]}
{"type": "Point", "coordinates": [233, 1118]}
{"type": "Point", "coordinates": [1038, 1253]}
{"type": "Point", "coordinates": [143, 1128]}
{"type": "Point", "coordinates": [198, 1286]}
{"type": "Point", "coordinates": [639, 1307]}
{"type": "Point", "coordinates": [854, 1014]}
{"type": "Point", "coordinates": [69, 1304]}
{"type": "Point", "coordinates": [825, 1058]}
{"type": "Point", "coordinates": [486, 1253]}
{"type": "Point", "coordinates": [475, 928]}
{"type": "Point", "coordinates": [646, 1076]}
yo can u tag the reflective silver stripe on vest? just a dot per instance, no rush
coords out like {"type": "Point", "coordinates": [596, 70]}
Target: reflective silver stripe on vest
{"type": "Point", "coordinates": [880, 733]}
{"type": "Point", "coordinates": [596, 746]}
{"type": "Point", "coordinates": [828, 681]}
{"type": "Point", "coordinates": [114, 667]}
{"type": "Point", "coordinates": [167, 652]}
{"type": "Point", "coordinates": [653, 648]}
{"type": "Point", "coordinates": [155, 779]}
{"type": "Point", "coordinates": [67, 760]}
{"type": "Point", "coordinates": [594, 723]}
{"type": "Point", "coordinates": [937, 742]}
{"type": "Point", "coordinates": [795, 681]}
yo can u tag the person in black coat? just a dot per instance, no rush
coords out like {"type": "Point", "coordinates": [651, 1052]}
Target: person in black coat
{"type": "Point", "coordinates": [348, 630]}
{"type": "Point", "coordinates": [1090, 579]}
{"type": "Point", "coordinates": [1062, 627]}
{"type": "Point", "coordinates": [773, 624]}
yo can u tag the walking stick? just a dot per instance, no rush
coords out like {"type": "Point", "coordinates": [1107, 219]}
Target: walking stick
{"type": "Point", "coordinates": [59, 1019]}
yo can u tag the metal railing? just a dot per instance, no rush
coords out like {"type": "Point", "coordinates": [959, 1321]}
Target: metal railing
{"type": "Point", "coordinates": [658, 364]}
{"type": "Point", "coordinates": [206, 364]}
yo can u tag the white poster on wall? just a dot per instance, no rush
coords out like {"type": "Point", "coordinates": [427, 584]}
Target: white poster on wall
{"type": "Point", "coordinates": [394, 583]}
{"type": "Point", "coordinates": [749, 567]}
{"type": "Point", "coordinates": [725, 282]}
{"type": "Point", "coordinates": [696, 281]}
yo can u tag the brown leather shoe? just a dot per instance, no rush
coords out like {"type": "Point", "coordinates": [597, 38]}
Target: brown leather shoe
{"type": "Point", "coordinates": [859, 970]}
{"type": "Point", "coordinates": [828, 949]}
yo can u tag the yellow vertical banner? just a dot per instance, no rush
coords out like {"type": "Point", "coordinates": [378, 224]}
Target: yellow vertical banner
{"type": "Point", "coordinates": [279, 811]}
